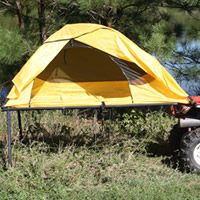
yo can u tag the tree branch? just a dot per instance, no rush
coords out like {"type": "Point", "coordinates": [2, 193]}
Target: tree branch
{"type": "Point", "coordinates": [20, 14]}
{"type": "Point", "coordinates": [8, 4]}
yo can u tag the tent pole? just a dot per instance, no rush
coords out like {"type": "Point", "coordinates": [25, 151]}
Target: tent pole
{"type": "Point", "coordinates": [20, 125]}
{"type": "Point", "coordinates": [9, 139]}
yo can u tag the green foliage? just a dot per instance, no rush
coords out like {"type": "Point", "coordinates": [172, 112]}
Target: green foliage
{"type": "Point", "coordinates": [162, 40]}
{"type": "Point", "coordinates": [12, 53]}
{"type": "Point", "coordinates": [185, 65]}
{"type": "Point", "coordinates": [12, 48]}
{"type": "Point", "coordinates": [69, 176]}
{"type": "Point", "coordinates": [135, 130]}
{"type": "Point", "coordinates": [159, 33]}
{"type": "Point", "coordinates": [149, 129]}
{"type": "Point", "coordinates": [75, 171]}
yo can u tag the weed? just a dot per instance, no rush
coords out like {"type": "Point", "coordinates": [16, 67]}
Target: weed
{"type": "Point", "coordinates": [58, 158]}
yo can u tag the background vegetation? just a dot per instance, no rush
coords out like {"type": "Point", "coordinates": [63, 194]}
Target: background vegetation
{"type": "Point", "coordinates": [74, 155]}
{"type": "Point", "coordinates": [167, 29]}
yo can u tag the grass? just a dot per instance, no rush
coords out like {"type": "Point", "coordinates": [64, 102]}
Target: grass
{"type": "Point", "coordinates": [58, 159]}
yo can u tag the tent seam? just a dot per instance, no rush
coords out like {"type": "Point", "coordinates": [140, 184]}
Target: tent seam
{"type": "Point", "coordinates": [75, 36]}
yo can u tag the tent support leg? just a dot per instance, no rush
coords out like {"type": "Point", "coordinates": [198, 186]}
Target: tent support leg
{"type": "Point", "coordinates": [95, 135]}
{"type": "Point", "coordinates": [109, 142]}
{"type": "Point", "coordinates": [20, 125]}
{"type": "Point", "coordinates": [9, 139]}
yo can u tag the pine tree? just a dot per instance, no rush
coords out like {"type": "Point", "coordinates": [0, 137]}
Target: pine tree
{"type": "Point", "coordinates": [167, 29]}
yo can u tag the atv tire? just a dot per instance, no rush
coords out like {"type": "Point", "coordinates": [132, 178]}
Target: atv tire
{"type": "Point", "coordinates": [190, 150]}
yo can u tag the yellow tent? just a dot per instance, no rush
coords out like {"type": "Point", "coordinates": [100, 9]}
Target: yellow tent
{"type": "Point", "coordinates": [87, 64]}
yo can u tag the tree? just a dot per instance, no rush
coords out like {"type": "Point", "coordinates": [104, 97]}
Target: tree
{"type": "Point", "coordinates": [36, 20]}
{"type": "Point", "coordinates": [157, 26]}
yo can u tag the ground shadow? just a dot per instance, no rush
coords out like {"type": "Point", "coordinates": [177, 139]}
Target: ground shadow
{"type": "Point", "coordinates": [64, 137]}
{"type": "Point", "coordinates": [158, 148]}
{"type": "Point", "coordinates": [174, 161]}
{"type": "Point", "coordinates": [171, 159]}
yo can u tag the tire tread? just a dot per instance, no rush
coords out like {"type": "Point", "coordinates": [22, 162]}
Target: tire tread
{"type": "Point", "coordinates": [187, 144]}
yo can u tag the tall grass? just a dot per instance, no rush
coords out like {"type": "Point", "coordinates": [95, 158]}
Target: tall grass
{"type": "Point", "coordinates": [77, 156]}
{"type": "Point", "coordinates": [134, 129]}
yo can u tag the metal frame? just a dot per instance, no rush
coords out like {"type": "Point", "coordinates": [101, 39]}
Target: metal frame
{"type": "Point", "coordinates": [102, 106]}
{"type": "Point", "coordinates": [20, 125]}
{"type": "Point", "coordinates": [79, 107]}
{"type": "Point", "coordinates": [9, 139]}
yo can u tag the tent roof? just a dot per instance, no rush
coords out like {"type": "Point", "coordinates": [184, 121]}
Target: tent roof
{"type": "Point", "coordinates": [153, 84]}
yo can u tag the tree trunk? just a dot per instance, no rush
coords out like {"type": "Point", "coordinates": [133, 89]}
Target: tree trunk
{"type": "Point", "coordinates": [20, 14]}
{"type": "Point", "coordinates": [41, 20]}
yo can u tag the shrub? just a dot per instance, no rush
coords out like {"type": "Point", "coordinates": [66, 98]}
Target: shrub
{"type": "Point", "coordinates": [136, 130]}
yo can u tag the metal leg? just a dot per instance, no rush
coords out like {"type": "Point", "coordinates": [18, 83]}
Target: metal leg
{"type": "Point", "coordinates": [20, 125]}
{"type": "Point", "coordinates": [110, 118]}
{"type": "Point", "coordinates": [95, 135]}
{"type": "Point", "coordinates": [9, 139]}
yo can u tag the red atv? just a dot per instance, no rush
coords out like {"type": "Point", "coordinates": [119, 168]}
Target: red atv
{"type": "Point", "coordinates": [185, 136]}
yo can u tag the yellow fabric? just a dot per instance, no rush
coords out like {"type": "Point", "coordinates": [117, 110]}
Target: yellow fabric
{"type": "Point", "coordinates": [83, 93]}
{"type": "Point", "coordinates": [24, 98]}
{"type": "Point", "coordinates": [109, 68]}
{"type": "Point", "coordinates": [34, 66]}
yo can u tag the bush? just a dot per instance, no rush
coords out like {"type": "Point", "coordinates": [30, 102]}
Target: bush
{"type": "Point", "coordinates": [133, 130]}
{"type": "Point", "coordinates": [59, 157]}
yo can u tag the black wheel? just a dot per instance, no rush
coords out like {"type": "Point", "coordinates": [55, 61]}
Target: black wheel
{"type": "Point", "coordinates": [190, 150]}
{"type": "Point", "coordinates": [175, 138]}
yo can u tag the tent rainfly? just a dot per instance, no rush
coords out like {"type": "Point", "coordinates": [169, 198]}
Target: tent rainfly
{"type": "Point", "coordinates": [83, 65]}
